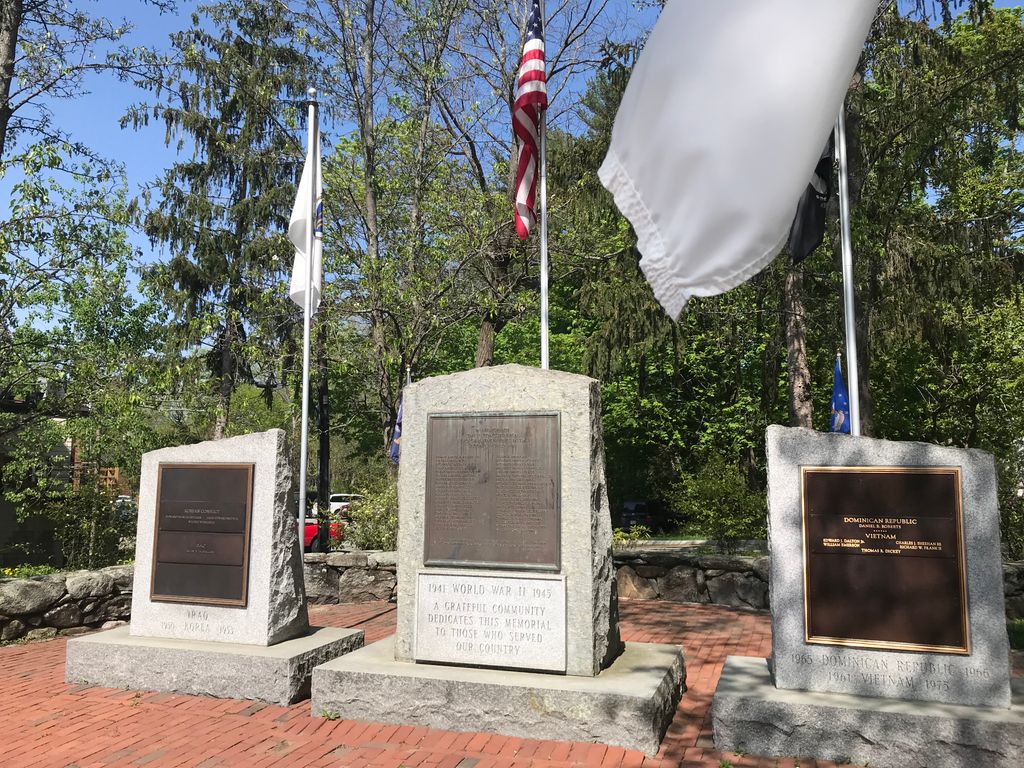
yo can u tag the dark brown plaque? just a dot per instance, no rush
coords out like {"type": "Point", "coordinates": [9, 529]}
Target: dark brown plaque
{"type": "Point", "coordinates": [493, 488]}
{"type": "Point", "coordinates": [201, 543]}
{"type": "Point", "coordinates": [884, 558]}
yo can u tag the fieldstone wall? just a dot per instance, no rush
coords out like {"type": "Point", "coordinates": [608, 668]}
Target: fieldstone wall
{"type": "Point", "coordinates": [64, 603]}
{"type": "Point", "coordinates": [734, 580]}
{"type": "Point", "coordinates": [351, 577]}
{"type": "Point", "coordinates": [72, 603]}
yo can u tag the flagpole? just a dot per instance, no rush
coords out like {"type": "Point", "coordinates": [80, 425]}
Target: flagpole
{"type": "Point", "coordinates": [543, 219]}
{"type": "Point", "coordinates": [853, 388]}
{"type": "Point", "coordinates": [312, 146]}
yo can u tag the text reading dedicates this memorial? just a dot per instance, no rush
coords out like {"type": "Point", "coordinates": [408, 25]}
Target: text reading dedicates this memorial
{"type": "Point", "coordinates": [201, 547]}
{"type": "Point", "coordinates": [884, 559]}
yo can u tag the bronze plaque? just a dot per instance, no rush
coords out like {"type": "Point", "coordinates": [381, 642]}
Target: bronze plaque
{"type": "Point", "coordinates": [201, 544]}
{"type": "Point", "coordinates": [884, 558]}
{"type": "Point", "coordinates": [493, 489]}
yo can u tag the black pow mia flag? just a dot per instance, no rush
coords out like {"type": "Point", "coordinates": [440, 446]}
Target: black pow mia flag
{"type": "Point", "coordinates": [808, 228]}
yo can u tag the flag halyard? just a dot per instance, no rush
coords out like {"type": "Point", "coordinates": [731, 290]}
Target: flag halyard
{"type": "Point", "coordinates": [531, 99]}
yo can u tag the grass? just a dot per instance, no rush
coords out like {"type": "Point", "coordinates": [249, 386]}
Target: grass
{"type": "Point", "coordinates": [1015, 629]}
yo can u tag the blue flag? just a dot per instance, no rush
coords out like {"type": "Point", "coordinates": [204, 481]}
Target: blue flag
{"type": "Point", "coordinates": [840, 420]}
{"type": "Point", "coordinates": [396, 438]}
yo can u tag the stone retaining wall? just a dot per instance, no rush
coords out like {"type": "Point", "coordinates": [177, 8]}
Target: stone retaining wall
{"type": "Point", "coordinates": [72, 603]}
{"type": "Point", "coordinates": [64, 603]}
{"type": "Point", "coordinates": [351, 577]}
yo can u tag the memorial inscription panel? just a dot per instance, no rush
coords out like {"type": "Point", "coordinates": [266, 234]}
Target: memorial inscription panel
{"type": "Point", "coordinates": [498, 621]}
{"type": "Point", "coordinates": [201, 542]}
{"type": "Point", "coordinates": [492, 491]}
{"type": "Point", "coordinates": [884, 558]}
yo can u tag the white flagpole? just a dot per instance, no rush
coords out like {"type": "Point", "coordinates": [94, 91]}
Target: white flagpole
{"type": "Point", "coordinates": [543, 216]}
{"type": "Point", "coordinates": [852, 377]}
{"type": "Point", "coordinates": [312, 150]}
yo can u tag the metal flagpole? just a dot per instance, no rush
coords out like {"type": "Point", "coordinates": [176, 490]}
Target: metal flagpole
{"type": "Point", "coordinates": [543, 217]}
{"type": "Point", "coordinates": [852, 377]}
{"type": "Point", "coordinates": [312, 151]}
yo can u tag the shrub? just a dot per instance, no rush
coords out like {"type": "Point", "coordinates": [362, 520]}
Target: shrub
{"type": "Point", "coordinates": [375, 518]}
{"type": "Point", "coordinates": [633, 534]}
{"type": "Point", "coordinates": [716, 503]}
{"type": "Point", "coordinates": [1015, 630]}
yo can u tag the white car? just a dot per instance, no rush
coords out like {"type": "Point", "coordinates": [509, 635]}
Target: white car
{"type": "Point", "coordinates": [340, 504]}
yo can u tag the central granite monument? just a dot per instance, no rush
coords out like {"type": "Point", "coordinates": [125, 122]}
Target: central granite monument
{"type": "Point", "coordinates": [218, 601]}
{"type": "Point", "coordinates": [507, 615]}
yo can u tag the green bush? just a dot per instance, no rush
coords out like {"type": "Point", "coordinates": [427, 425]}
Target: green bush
{"type": "Point", "coordinates": [716, 503]}
{"type": "Point", "coordinates": [1015, 629]}
{"type": "Point", "coordinates": [25, 571]}
{"type": "Point", "coordinates": [633, 534]}
{"type": "Point", "coordinates": [375, 518]}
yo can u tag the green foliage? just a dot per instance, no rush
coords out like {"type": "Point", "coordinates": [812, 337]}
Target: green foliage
{"type": "Point", "coordinates": [375, 517]}
{"type": "Point", "coordinates": [631, 535]}
{"type": "Point", "coordinates": [1015, 629]}
{"type": "Point", "coordinates": [26, 571]}
{"type": "Point", "coordinates": [715, 502]}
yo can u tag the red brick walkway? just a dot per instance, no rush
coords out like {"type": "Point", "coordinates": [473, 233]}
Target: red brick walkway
{"type": "Point", "coordinates": [45, 723]}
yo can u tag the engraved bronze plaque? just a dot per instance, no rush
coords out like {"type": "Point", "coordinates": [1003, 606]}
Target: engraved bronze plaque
{"type": "Point", "coordinates": [884, 558]}
{"type": "Point", "coordinates": [201, 543]}
{"type": "Point", "coordinates": [493, 490]}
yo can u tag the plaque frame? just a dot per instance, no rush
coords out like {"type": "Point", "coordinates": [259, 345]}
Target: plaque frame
{"type": "Point", "coordinates": [960, 560]}
{"type": "Point", "coordinates": [556, 567]}
{"type": "Point", "coordinates": [241, 602]}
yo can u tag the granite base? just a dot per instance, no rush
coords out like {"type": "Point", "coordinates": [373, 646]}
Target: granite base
{"type": "Point", "coordinates": [750, 715]}
{"type": "Point", "coordinates": [629, 704]}
{"type": "Point", "coordinates": [279, 674]}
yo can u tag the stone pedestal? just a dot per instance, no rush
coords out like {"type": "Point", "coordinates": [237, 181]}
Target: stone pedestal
{"type": "Point", "coordinates": [278, 674]}
{"type": "Point", "coordinates": [630, 704]}
{"type": "Point", "coordinates": [750, 715]}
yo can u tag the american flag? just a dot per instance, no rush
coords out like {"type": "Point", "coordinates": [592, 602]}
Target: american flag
{"type": "Point", "coordinates": [531, 98]}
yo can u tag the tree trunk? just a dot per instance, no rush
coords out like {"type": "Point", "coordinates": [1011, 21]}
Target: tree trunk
{"type": "Point", "coordinates": [226, 383]}
{"type": "Point", "coordinates": [489, 328]}
{"type": "Point", "coordinates": [11, 14]}
{"type": "Point", "coordinates": [801, 405]}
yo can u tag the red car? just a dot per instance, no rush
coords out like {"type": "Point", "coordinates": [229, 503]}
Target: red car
{"type": "Point", "coordinates": [311, 536]}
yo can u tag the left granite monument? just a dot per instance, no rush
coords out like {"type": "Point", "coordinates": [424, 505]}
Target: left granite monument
{"type": "Point", "coordinates": [219, 604]}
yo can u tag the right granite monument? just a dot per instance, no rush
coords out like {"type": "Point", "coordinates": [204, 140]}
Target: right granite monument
{"type": "Point", "coordinates": [889, 643]}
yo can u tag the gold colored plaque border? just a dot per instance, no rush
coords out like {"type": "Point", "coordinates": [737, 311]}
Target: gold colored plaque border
{"type": "Point", "coordinates": [244, 600]}
{"type": "Point", "coordinates": [963, 650]}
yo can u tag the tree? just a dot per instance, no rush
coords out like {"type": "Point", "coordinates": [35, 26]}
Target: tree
{"type": "Point", "coordinates": [232, 87]}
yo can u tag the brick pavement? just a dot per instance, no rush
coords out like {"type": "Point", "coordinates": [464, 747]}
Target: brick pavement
{"type": "Point", "coordinates": [45, 723]}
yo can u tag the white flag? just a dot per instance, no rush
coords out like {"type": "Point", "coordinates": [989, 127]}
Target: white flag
{"type": "Point", "coordinates": [720, 129]}
{"type": "Point", "coordinates": [298, 232]}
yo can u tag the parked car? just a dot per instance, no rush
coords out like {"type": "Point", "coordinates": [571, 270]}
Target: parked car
{"type": "Point", "coordinates": [340, 505]}
{"type": "Point", "coordinates": [648, 513]}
